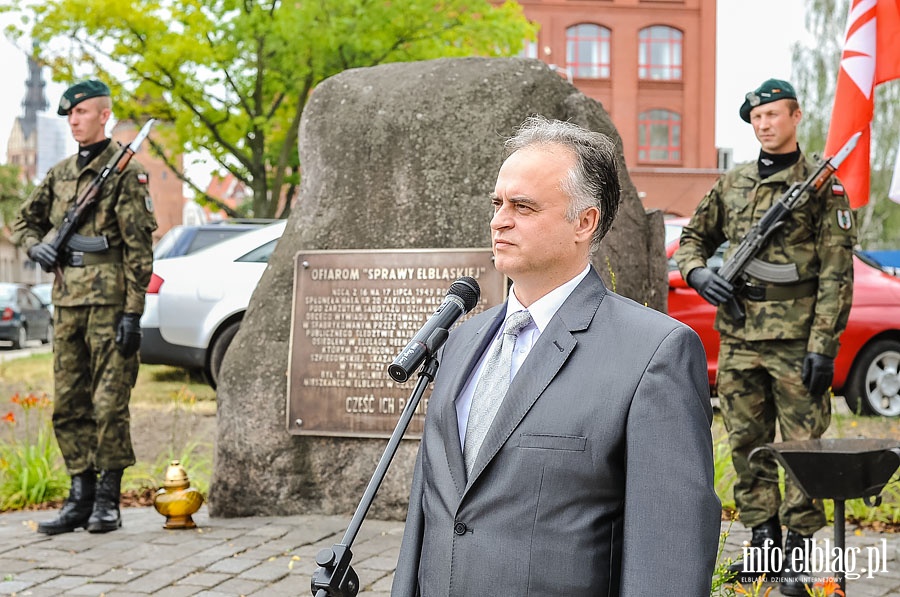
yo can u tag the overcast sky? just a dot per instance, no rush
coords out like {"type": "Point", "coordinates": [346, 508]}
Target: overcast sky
{"type": "Point", "coordinates": [753, 44]}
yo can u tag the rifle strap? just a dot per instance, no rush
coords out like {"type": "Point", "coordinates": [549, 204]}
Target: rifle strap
{"type": "Point", "coordinates": [779, 293]}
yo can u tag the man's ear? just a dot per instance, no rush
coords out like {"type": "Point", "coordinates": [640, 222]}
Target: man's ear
{"type": "Point", "coordinates": [587, 223]}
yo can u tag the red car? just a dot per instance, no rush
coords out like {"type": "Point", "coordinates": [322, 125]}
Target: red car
{"type": "Point", "coordinates": [867, 368]}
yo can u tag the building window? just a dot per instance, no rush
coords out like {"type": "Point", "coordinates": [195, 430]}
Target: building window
{"type": "Point", "coordinates": [587, 51]}
{"type": "Point", "coordinates": [659, 53]}
{"type": "Point", "coordinates": [659, 136]}
{"type": "Point", "coordinates": [529, 51]}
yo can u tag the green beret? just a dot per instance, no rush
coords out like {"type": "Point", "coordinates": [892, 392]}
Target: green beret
{"type": "Point", "coordinates": [771, 90]}
{"type": "Point", "coordinates": [79, 92]}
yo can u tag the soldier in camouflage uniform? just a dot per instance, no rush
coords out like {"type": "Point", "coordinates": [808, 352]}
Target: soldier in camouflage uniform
{"type": "Point", "coordinates": [98, 304]}
{"type": "Point", "coordinates": [778, 363]}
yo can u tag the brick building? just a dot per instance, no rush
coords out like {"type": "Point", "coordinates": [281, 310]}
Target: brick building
{"type": "Point", "coordinates": [166, 189]}
{"type": "Point", "coordinates": [652, 65]}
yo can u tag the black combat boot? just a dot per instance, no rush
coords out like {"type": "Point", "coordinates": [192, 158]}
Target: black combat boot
{"type": "Point", "coordinates": [766, 539]}
{"type": "Point", "coordinates": [106, 516]}
{"type": "Point", "coordinates": [77, 508]}
{"type": "Point", "coordinates": [794, 581]}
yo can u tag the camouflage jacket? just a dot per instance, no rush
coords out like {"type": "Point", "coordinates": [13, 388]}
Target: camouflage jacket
{"type": "Point", "coordinates": [124, 214]}
{"type": "Point", "coordinates": [818, 238]}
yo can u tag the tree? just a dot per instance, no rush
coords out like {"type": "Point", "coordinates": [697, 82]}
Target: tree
{"type": "Point", "coordinates": [233, 76]}
{"type": "Point", "coordinates": [12, 192]}
{"type": "Point", "coordinates": [815, 71]}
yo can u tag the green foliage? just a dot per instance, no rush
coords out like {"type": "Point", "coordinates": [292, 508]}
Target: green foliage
{"type": "Point", "coordinates": [12, 192]}
{"type": "Point", "coordinates": [195, 456]}
{"type": "Point", "coordinates": [721, 587]}
{"type": "Point", "coordinates": [815, 69]}
{"type": "Point", "coordinates": [723, 472]}
{"type": "Point", "coordinates": [233, 77]}
{"type": "Point", "coordinates": [31, 469]}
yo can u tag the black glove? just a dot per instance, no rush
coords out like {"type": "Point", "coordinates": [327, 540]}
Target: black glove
{"type": "Point", "coordinates": [711, 286]}
{"type": "Point", "coordinates": [817, 372]}
{"type": "Point", "coordinates": [128, 334]}
{"type": "Point", "coordinates": [45, 255]}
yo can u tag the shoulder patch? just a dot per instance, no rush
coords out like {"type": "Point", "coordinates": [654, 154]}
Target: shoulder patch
{"type": "Point", "coordinates": [837, 190]}
{"type": "Point", "coordinates": [143, 178]}
{"type": "Point", "coordinates": [844, 219]}
{"type": "Point", "coordinates": [148, 203]}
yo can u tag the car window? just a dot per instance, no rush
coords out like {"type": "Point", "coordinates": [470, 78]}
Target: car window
{"type": "Point", "coordinates": [167, 242]}
{"type": "Point", "coordinates": [206, 237]}
{"type": "Point", "coordinates": [672, 232]}
{"type": "Point", "coordinates": [260, 254]}
{"type": "Point", "coordinates": [7, 294]}
{"type": "Point", "coordinates": [714, 262]}
{"type": "Point", "coordinates": [43, 292]}
{"type": "Point", "coordinates": [27, 300]}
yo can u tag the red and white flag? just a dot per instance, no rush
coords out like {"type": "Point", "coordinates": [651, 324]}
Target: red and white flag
{"type": "Point", "coordinates": [871, 56]}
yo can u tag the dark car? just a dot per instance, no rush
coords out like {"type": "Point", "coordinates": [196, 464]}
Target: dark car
{"type": "Point", "coordinates": [23, 316]}
{"type": "Point", "coordinates": [184, 240]}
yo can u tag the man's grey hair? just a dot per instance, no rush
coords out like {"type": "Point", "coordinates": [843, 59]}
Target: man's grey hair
{"type": "Point", "coordinates": [593, 181]}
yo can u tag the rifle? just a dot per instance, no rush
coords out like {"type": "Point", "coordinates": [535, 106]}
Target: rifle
{"type": "Point", "coordinates": [74, 218]}
{"type": "Point", "coordinates": [743, 259]}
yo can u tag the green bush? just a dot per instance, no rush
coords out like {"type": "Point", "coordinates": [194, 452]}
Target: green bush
{"type": "Point", "coordinates": [31, 468]}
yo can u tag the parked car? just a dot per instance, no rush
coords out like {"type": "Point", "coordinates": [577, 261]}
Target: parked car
{"type": "Point", "coordinates": [184, 240]}
{"type": "Point", "coordinates": [195, 303]}
{"type": "Point", "coordinates": [23, 316]}
{"type": "Point", "coordinates": [867, 367]}
{"type": "Point", "coordinates": [45, 293]}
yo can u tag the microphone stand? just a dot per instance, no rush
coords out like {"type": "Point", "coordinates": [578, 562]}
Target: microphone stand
{"type": "Point", "coordinates": [335, 577]}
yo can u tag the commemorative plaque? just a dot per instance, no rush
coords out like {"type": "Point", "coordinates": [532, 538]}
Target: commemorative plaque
{"type": "Point", "coordinates": [353, 312]}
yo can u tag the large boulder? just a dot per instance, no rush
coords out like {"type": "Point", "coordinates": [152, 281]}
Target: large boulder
{"type": "Point", "coordinates": [394, 156]}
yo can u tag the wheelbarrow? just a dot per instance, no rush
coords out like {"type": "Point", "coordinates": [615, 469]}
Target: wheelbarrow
{"type": "Point", "coordinates": [838, 469]}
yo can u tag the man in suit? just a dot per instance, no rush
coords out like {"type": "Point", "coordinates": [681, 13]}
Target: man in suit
{"type": "Point", "coordinates": [592, 475]}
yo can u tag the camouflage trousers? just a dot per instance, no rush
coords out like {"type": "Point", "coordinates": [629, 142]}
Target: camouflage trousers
{"type": "Point", "coordinates": [758, 384]}
{"type": "Point", "coordinates": [93, 387]}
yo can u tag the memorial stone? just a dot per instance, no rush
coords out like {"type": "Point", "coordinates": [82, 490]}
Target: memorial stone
{"type": "Point", "coordinates": [397, 156]}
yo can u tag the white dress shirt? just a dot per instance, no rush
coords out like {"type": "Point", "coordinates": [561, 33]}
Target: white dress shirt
{"type": "Point", "coordinates": [542, 311]}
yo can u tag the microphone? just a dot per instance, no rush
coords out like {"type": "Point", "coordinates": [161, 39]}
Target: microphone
{"type": "Point", "coordinates": [461, 298]}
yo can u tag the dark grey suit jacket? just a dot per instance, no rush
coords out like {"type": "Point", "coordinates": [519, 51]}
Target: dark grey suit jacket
{"type": "Point", "coordinates": [596, 477]}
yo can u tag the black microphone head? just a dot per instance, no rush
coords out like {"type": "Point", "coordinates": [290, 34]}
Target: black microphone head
{"type": "Point", "coordinates": [467, 289]}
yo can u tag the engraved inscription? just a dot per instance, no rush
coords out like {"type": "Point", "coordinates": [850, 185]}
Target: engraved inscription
{"type": "Point", "coordinates": [353, 313]}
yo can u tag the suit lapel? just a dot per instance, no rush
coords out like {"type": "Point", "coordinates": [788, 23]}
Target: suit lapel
{"type": "Point", "coordinates": [543, 363]}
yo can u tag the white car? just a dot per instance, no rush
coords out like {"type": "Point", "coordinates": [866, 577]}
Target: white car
{"type": "Point", "coordinates": [195, 304]}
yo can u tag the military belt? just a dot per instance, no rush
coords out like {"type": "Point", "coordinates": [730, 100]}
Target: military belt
{"type": "Point", "coordinates": [81, 259]}
{"type": "Point", "coordinates": [780, 293]}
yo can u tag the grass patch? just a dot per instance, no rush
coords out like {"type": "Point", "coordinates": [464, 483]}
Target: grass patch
{"type": "Point", "coordinates": [169, 406]}
{"type": "Point", "coordinates": [156, 384]}
{"type": "Point", "coordinates": [27, 374]}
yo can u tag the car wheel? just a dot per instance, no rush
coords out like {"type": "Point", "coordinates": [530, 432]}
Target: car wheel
{"type": "Point", "coordinates": [217, 353]}
{"type": "Point", "coordinates": [21, 338]}
{"type": "Point", "coordinates": [48, 335]}
{"type": "Point", "coordinates": [873, 387]}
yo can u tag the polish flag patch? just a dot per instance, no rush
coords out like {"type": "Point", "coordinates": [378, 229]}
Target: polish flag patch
{"type": "Point", "coordinates": [837, 190]}
{"type": "Point", "coordinates": [143, 178]}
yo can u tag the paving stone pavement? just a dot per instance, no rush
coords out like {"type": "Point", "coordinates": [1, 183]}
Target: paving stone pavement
{"type": "Point", "coordinates": [223, 557]}
{"type": "Point", "coordinates": [269, 556]}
